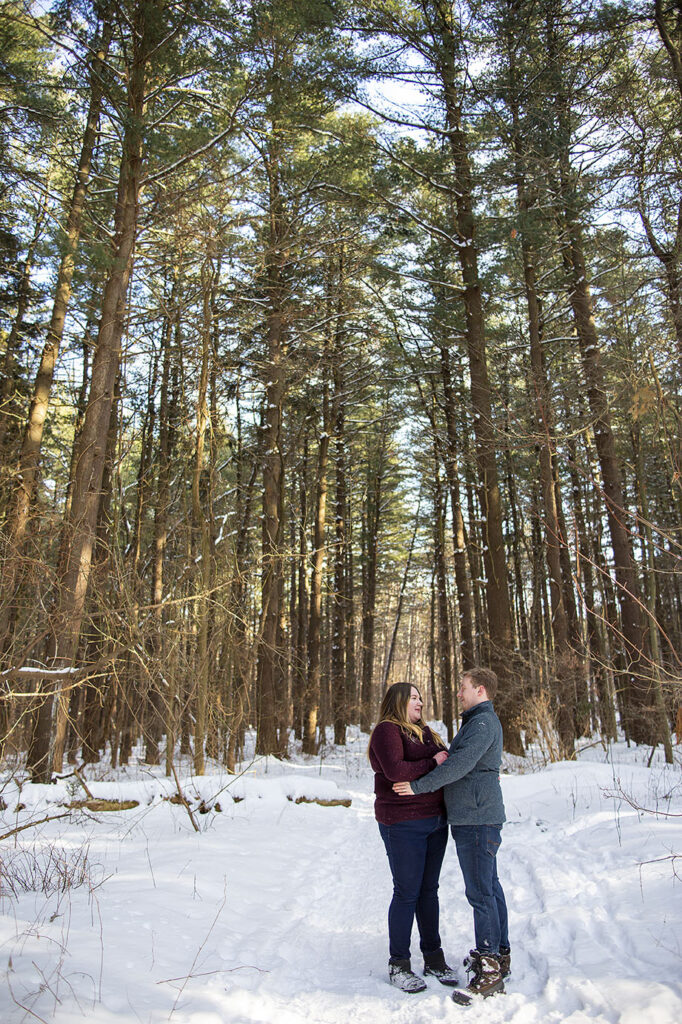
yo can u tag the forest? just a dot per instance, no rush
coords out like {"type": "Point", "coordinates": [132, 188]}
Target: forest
{"type": "Point", "coordinates": [340, 343]}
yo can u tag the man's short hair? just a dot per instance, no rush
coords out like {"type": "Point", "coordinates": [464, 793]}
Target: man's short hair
{"type": "Point", "coordinates": [484, 677]}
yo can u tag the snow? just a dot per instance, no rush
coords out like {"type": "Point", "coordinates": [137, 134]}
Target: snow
{"type": "Point", "coordinates": [33, 670]}
{"type": "Point", "coordinates": [275, 911]}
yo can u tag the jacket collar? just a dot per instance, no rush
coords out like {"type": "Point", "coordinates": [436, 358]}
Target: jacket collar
{"type": "Point", "coordinates": [485, 705]}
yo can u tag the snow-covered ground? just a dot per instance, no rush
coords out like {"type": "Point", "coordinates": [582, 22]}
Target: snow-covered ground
{"type": "Point", "coordinates": [275, 911]}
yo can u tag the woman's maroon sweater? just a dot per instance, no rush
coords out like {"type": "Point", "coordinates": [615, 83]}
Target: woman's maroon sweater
{"type": "Point", "coordinates": [397, 757]}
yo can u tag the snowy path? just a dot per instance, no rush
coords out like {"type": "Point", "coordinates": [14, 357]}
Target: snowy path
{"type": "Point", "coordinates": [276, 912]}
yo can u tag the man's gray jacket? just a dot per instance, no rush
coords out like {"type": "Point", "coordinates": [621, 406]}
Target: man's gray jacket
{"type": "Point", "coordinates": [471, 775]}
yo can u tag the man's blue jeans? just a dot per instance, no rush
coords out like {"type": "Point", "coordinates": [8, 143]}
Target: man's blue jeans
{"type": "Point", "coordinates": [477, 847]}
{"type": "Point", "coordinates": [415, 854]}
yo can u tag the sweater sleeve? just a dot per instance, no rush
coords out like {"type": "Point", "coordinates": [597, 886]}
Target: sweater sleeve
{"type": "Point", "coordinates": [387, 748]}
{"type": "Point", "coordinates": [471, 746]}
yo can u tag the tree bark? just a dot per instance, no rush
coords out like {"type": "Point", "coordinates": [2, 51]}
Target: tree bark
{"type": "Point", "coordinates": [370, 551]}
{"type": "Point", "coordinates": [466, 628]}
{"type": "Point", "coordinates": [443, 646]}
{"type": "Point", "coordinates": [24, 493]}
{"type": "Point", "coordinates": [239, 597]}
{"type": "Point", "coordinates": [401, 596]}
{"type": "Point", "coordinates": [73, 575]}
{"type": "Point", "coordinates": [10, 371]}
{"type": "Point", "coordinates": [639, 698]}
{"type": "Point", "coordinates": [340, 604]}
{"type": "Point", "coordinates": [300, 646]}
{"type": "Point", "coordinates": [566, 664]}
{"type": "Point", "coordinates": [269, 654]}
{"type": "Point", "coordinates": [160, 535]}
{"type": "Point", "coordinates": [311, 700]}
{"type": "Point", "coordinates": [201, 529]}
{"type": "Point", "coordinates": [500, 644]}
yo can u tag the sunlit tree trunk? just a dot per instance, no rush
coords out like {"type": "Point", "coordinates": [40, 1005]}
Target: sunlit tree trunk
{"type": "Point", "coordinates": [444, 645]}
{"type": "Point", "coordinates": [644, 725]}
{"type": "Point", "coordinates": [500, 643]}
{"type": "Point", "coordinates": [300, 640]}
{"type": "Point", "coordinates": [370, 551]}
{"type": "Point", "coordinates": [10, 374]}
{"type": "Point", "coordinates": [311, 700]}
{"type": "Point", "coordinates": [201, 529]}
{"type": "Point", "coordinates": [269, 655]}
{"type": "Point", "coordinates": [80, 528]}
{"type": "Point", "coordinates": [566, 663]}
{"type": "Point", "coordinates": [24, 493]}
{"type": "Point", "coordinates": [451, 459]}
{"type": "Point", "coordinates": [239, 597]}
{"type": "Point", "coordinates": [340, 596]}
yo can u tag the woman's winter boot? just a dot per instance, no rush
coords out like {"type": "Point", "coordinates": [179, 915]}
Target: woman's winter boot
{"type": "Point", "coordinates": [400, 974]}
{"type": "Point", "coordinates": [435, 965]}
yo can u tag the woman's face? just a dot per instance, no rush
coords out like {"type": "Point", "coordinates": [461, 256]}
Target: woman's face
{"type": "Point", "coordinates": [414, 705]}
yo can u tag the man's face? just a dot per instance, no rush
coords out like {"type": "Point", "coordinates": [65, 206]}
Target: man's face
{"type": "Point", "coordinates": [469, 695]}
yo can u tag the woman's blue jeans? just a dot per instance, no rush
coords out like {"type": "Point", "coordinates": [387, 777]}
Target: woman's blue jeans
{"type": "Point", "coordinates": [415, 854]}
{"type": "Point", "coordinates": [477, 847]}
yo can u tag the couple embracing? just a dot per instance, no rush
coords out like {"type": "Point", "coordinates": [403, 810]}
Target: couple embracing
{"type": "Point", "coordinates": [420, 789]}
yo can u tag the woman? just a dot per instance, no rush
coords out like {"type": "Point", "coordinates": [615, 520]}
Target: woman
{"type": "Point", "coordinates": [414, 830]}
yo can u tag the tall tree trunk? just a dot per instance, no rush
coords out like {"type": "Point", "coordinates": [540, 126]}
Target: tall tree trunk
{"type": "Point", "coordinates": [585, 574]}
{"type": "Point", "coordinates": [13, 565]}
{"type": "Point", "coordinates": [433, 688]}
{"type": "Point", "coordinates": [451, 459]}
{"type": "Point", "coordinates": [73, 575]}
{"type": "Point", "coordinates": [300, 651]}
{"type": "Point", "coordinates": [370, 551]}
{"type": "Point", "coordinates": [401, 596]}
{"type": "Point", "coordinates": [160, 536]}
{"type": "Point", "coordinates": [10, 369]}
{"type": "Point", "coordinates": [644, 725]}
{"type": "Point", "coordinates": [24, 493]}
{"type": "Point", "coordinates": [494, 557]}
{"type": "Point", "coordinates": [201, 529]}
{"type": "Point", "coordinates": [239, 597]}
{"type": "Point", "coordinates": [516, 532]}
{"type": "Point", "coordinates": [349, 645]}
{"type": "Point", "coordinates": [443, 646]}
{"type": "Point", "coordinates": [269, 655]}
{"type": "Point", "coordinates": [147, 686]}
{"type": "Point", "coordinates": [311, 700]}
{"type": "Point", "coordinates": [651, 594]}
{"type": "Point", "coordinates": [566, 664]}
{"type": "Point", "coordinates": [340, 605]}
{"type": "Point", "coordinates": [638, 697]}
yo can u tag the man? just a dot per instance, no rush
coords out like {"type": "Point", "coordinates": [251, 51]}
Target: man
{"type": "Point", "coordinates": [473, 800]}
